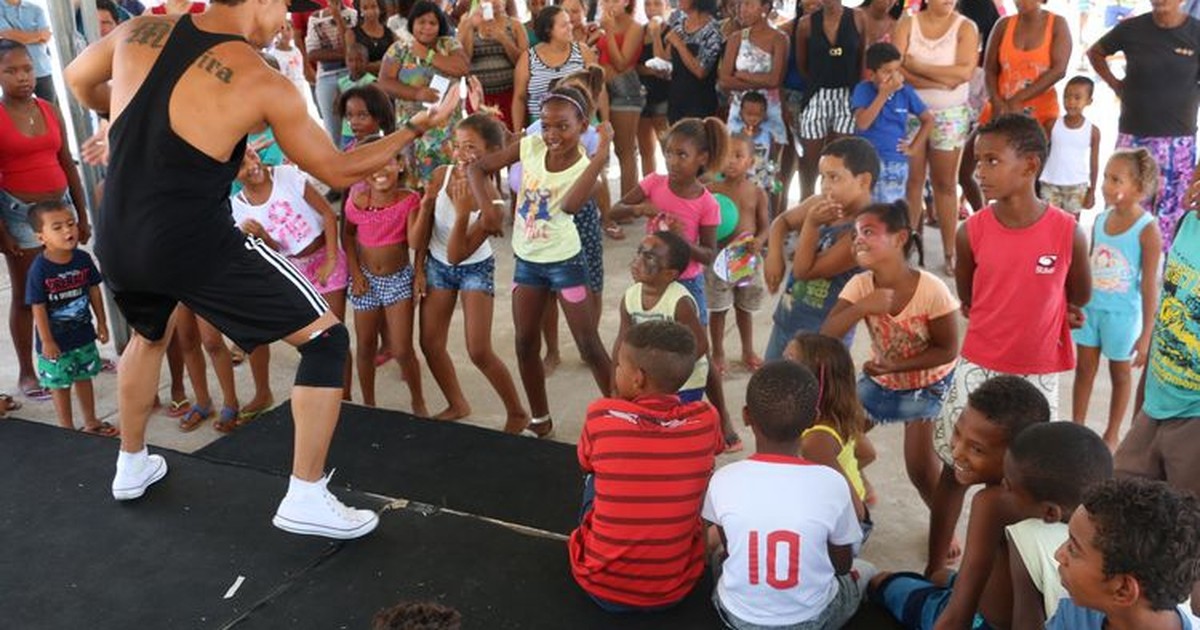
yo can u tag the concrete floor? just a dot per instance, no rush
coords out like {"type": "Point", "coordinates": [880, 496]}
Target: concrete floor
{"type": "Point", "coordinates": [898, 541]}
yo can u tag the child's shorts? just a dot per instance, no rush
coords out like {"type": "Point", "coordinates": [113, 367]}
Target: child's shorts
{"type": "Point", "coordinates": [722, 294]}
{"type": "Point", "coordinates": [915, 601]}
{"type": "Point", "coordinates": [1069, 198]}
{"type": "Point", "coordinates": [555, 276]}
{"type": "Point", "coordinates": [478, 276]}
{"type": "Point", "coordinates": [591, 241]}
{"type": "Point", "coordinates": [79, 364]}
{"type": "Point", "coordinates": [311, 264]}
{"type": "Point", "coordinates": [836, 614]}
{"type": "Point", "coordinates": [828, 112]}
{"type": "Point", "coordinates": [1163, 450]}
{"type": "Point", "coordinates": [1113, 333]}
{"type": "Point", "coordinates": [384, 291]}
{"type": "Point", "coordinates": [893, 181]}
{"type": "Point", "coordinates": [885, 405]}
{"type": "Point", "coordinates": [967, 378]}
{"type": "Point", "coordinates": [696, 394]}
{"type": "Point", "coordinates": [695, 286]}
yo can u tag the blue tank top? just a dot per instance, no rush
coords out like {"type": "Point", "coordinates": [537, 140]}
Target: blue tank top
{"type": "Point", "coordinates": [793, 80]}
{"type": "Point", "coordinates": [1117, 266]}
{"type": "Point", "coordinates": [806, 303]}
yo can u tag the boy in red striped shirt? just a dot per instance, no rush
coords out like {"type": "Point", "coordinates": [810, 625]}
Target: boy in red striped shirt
{"type": "Point", "coordinates": [648, 457]}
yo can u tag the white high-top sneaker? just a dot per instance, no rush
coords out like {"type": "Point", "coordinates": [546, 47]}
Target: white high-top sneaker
{"type": "Point", "coordinates": [311, 509]}
{"type": "Point", "coordinates": [135, 473]}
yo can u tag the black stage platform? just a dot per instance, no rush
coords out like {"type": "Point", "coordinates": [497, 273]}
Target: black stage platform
{"type": "Point", "coordinates": [74, 558]}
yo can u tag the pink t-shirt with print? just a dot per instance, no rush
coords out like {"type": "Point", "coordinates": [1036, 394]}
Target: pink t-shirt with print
{"type": "Point", "coordinates": [690, 213]}
{"type": "Point", "coordinates": [905, 334]}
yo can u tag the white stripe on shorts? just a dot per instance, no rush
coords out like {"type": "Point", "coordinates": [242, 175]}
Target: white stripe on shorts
{"type": "Point", "coordinates": [287, 270]}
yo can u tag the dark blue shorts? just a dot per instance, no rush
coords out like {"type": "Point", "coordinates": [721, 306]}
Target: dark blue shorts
{"type": "Point", "coordinates": [885, 405]}
{"type": "Point", "coordinates": [478, 276]}
{"type": "Point", "coordinates": [555, 276]}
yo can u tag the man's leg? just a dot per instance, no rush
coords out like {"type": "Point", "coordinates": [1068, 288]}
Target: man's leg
{"type": "Point", "coordinates": [137, 384]}
{"type": "Point", "coordinates": [315, 409]}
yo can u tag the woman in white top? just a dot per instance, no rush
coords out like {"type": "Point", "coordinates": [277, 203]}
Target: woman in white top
{"type": "Point", "coordinates": [940, 48]}
{"type": "Point", "coordinates": [454, 256]}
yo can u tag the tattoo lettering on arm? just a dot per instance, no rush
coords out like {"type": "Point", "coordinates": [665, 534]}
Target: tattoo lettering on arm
{"type": "Point", "coordinates": [150, 33]}
{"type": "Point", "coordinates": [209, 63]}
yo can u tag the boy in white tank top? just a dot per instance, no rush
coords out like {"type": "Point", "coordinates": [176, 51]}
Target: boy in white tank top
{"type": "Point", "coordinates": [1069, 177]}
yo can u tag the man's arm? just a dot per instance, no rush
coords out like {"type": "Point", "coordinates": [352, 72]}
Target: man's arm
{"type": "Point", "coordinates": [88, 75]}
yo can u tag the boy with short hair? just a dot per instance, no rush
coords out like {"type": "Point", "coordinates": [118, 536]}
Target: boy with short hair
{"type": "Point", "coordinates": [1046, 472]}
{"type": "Point", "coordinates": [997, 412]}
{"type": "Point", "coordinates": [63, 283]}
{"type": "Point", "coordinates": [766, 149]}
{"type": "Point", "coordinates": [783, 563]}
{"type": "Point", "coordinates": [748, 238]}
{"type": "Point", "coordinates": [882, 106]}
{"type": "Point", "coordinates": [356, 64]}
{"type": "Point", "coordinates": [823, 260]}
{"type": "Point", "coordinates": [1132, 555]}
{"type": "Point", "coordinates": [648, 456]}
{"type": "Point", "coordinates": [1069, 178]}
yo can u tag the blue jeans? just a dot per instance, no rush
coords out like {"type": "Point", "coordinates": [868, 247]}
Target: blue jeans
{"type": "Point", "coordinates": [327, 96]}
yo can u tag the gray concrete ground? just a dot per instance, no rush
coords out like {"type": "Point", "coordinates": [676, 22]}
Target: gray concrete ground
{"type": "Point", "coordinates": [898, 541]}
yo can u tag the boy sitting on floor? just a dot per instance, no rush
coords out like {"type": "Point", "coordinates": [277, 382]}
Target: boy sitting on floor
{"type": "Point", "coordinates": [769, 542]}
{"type": "Point", "coordinates": [1132, 556]}
{"type": "Point", "coordinates": [648, 457]}
{"type": "Point", "coordinates": [996, 413]}
{"type": "Point", "coordinates": [1046, 471]}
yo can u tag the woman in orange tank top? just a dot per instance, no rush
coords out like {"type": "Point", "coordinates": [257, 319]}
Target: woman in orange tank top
{"type": "Point", "coordinates": [1026, 55]}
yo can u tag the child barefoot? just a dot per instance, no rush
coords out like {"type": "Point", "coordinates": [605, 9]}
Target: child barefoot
{"type": "Point", "coordinates": [746, 296]}
{"type": "Point", "coordinates": [378, 218]}
{"type": "Point", "coordinates": [455, 259]}
{"type": "Point", "coordinates": [1126, 249]}
{"type": "Point", "coordinates": [912, 319]}
{"type": "Point", "coordinates": [62, 284]}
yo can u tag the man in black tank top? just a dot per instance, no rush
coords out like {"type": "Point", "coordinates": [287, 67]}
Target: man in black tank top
{"type": "Point", "coordinates": [183, 92]}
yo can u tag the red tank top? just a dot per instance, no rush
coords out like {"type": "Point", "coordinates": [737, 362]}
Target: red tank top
{"type": "Point", "coordinates": [602, 55]}
{"type": "Point", "coordinates": [1018, 315]}
{"type": "Point", "coordinates": [196, 7]}
{"type": "Point", "coordinates": [29, 164]}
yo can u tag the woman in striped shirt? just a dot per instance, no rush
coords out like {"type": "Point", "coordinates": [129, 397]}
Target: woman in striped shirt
{"type": "Point", "coordinates": [538, 68]}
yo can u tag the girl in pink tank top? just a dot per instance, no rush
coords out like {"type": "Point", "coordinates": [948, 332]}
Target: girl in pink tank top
{"type": "Point", "coordinates": [379, 214]}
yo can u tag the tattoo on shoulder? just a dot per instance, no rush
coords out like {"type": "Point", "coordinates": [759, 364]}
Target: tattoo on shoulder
{"type": "Point", "coordinates": [209, 63]}
{"type": "Point", "coordinates": [150, 33]}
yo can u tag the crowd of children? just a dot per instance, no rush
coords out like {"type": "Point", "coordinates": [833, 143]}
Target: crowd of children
{"type": "Point", "coordinates": [1040, 297]}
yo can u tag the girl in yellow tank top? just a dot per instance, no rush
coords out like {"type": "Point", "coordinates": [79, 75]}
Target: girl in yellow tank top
{"type": "Point", "coordinates": [837, 438]}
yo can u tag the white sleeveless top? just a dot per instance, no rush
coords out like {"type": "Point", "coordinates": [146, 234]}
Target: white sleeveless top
{"type": "Point", "coordinates": [1070, 160]}
{"type": "Point", "coordinates": [444, 216]}
{"type": "Point", "coordinates": [938, 52]}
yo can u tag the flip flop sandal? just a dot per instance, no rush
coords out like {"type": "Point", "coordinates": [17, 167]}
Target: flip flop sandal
{"type": "Point", "coordinates": [540, 428]}
{"type": "Point", "coordinates": [108, 366]}
{"type": "Point", "coordinates": [177, 408]}
{"type": "Point", "coordinates": [227, 421]}
{"type": "Point", "coordinates": [195, 416]}
{"type": "Point", "coordinates": [104, 429]}
{"type": "Point", "coordinates": [614, 231]}
{"type": "Point", "coordinates": [246, 416]}
{"type": "Point", "coordinates": [36, 393]}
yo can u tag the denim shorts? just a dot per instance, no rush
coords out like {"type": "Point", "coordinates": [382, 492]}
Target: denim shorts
{"type": "Point", "coordinates": [384, 291]}
{"type": "Point", "coordinates": [695, 286]}
{"type": "Point", "coordinates": [478, 276]}
{"type": "Point", "coordinates": [15, 215]}
{"type": "Point", "coordinates": [555, 276]}
{"type": "Point", "coordinates": [625, 93]}
{"type": "Point", "coordinates": [893, 181]}
{"type": "Point", "coordinates": [885, 405]}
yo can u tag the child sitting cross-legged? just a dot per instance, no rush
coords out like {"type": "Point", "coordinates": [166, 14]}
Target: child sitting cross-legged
{"type": "Point", "coordinates": [998, 411]}
{"type": "Point", "coordinates": [784, 563]}
{"type": "Point", "coordinates": [1132, 555]}
{"type": "Point", "coordinates": [1046, 472]}
{"type": "Point", "coordinates": [648, 457]}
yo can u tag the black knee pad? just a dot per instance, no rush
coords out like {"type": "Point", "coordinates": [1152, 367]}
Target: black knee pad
{"type": "Point", "coordinates": [323, 359]}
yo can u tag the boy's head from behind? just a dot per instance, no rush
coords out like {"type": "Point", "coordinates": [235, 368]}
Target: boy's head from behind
{"type": "Point", "coordinates": [1049, 466]}
{"type": "Point", "coordinates": [1133, 543]}
{"type": "Point", "coordinates": [849, 168]}
{"type": "Point", "coordinates": [660, 259]}
{"type": "Point", "coordinates": [883, 62]}
{"type": "Point", "coordinates": [55, 225]}
{"type": "Point", "coordinates": [656, 357]}
{"type": "Point", "coordinates": [781, 402]}
{"type": "Point", "coordinates": [417, 616]}
{"type": "Point", "coordinates": [754, 109]}
{"type": "Point", "coordinates": [996, 413]}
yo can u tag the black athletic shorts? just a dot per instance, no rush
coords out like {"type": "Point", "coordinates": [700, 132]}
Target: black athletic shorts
{"type": "Point", "coordinates": [255, 298]}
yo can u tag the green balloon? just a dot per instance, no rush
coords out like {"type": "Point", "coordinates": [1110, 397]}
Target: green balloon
{"type": "Point", "coordinates": [729, 216]}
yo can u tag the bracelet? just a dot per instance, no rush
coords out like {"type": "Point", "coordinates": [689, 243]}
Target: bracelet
{"type": "Point", "coordinates": [499, 202]}
{"type": "Point", "coordinates": [408, 124]}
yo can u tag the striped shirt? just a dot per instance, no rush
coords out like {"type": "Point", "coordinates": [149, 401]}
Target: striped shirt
{"type": "Point", "coordinates": [542, 76]}
{"type": "Point", "coordinates": [642, 543]}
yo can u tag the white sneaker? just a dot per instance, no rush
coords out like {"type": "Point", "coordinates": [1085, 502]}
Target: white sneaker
{"type": "Point", "coordinates": [135, 474]}
{"type": "Point", "coordinates": [311, 509]}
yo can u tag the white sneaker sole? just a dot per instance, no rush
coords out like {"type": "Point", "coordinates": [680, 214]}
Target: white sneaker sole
{"type": "Point", "coordinates": [126, 494]}
{"type": "Point", "coordinates": [315, 529]}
